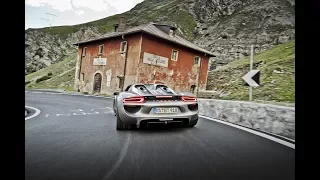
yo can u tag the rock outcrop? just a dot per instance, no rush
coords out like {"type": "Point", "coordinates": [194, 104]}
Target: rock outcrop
{"type": "Point", "coordinates": [43, 49]}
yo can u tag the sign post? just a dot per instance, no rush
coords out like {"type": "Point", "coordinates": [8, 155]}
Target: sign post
{"type": "Point", "coordinates": [252, 77]}
{"type": "Point", "coordinates": [251, 66]}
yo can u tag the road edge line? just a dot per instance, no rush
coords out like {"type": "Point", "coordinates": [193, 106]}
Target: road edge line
{"type": "Point", "coordinates": [71, 94]}
{"type": "Point", "coordinates": [33, 115]}
{"type": "Point", "coordinates": [285, 143]}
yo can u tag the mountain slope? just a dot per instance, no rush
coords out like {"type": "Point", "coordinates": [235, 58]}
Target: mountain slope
{"type": "Point", "coordinates": [276, 66]}
{"type": "Point", "coordinates": [276, 80]}
{"type": "Point", "coordinates": [225, 27]}
{"type": "Point", "coordinates": [56, 76]}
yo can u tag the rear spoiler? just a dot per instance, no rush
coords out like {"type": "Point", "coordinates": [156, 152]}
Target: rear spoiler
{"type": "Point", "coordinates": [158, 92]}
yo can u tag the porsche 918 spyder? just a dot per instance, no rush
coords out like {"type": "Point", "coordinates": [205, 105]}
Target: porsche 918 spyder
{"type": "Point", "coordinates": [143, 104]}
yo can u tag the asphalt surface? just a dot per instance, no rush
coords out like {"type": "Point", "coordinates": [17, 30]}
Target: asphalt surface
{"type": "Point", "coordinates": [75, 137]}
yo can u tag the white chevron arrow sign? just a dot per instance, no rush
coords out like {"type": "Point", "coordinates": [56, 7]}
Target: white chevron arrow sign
{"type": "Point", "coordinates": [248, 78]}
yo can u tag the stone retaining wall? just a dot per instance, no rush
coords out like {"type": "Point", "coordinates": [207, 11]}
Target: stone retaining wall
{"type": "Point", "coordinates": [274, 119]}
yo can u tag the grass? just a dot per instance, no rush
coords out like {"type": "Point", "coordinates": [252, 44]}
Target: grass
{"type": "Point", "coordinates": [61, 31]}
{"type": "Point", "coordinates": [172, 13]}
{"type": "Point", "coordinates": [56, 76]}
{"type": "Point", "coordinates": [277, 53]}
{"type": "Point", "coordinates": [54, 69]}
{"type": "Point", "coordinates": [276, 76]}
{"type": "Point", "coordinates": [186, 22]}
{"type": "Point", "coordinates": [103, 25]}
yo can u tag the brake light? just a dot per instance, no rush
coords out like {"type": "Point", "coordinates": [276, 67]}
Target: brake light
{"type": "Point", "coordinates": [188, 99]}
{"type": "Point", "coordinates": [135, 99]}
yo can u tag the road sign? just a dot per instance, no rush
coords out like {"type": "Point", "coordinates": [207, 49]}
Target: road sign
{"type": "Point", "coordinates": [252, 78]}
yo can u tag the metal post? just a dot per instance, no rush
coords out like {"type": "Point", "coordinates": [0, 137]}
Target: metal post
{"type": "Point", "coordinates": [250, 93]}
{"type": "Point", "coordinates": [251, 58]}
{"type": "Point", "coordinates": [251, 67]}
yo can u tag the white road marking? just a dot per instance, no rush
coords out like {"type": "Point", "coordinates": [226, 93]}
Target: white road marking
{"type": "Point", "coordinates": [52, 93]}
{"type": "Point", "coordinates": [25, 91]}
{"type": "Point", "coordinates": [100, 108]}
{"type": "Point", "coordinates": [63, 114]}
{"type": "Point", "coordinates": [47, 115]}
{"type": "Point", "coordinates": [37, 92]}
{"type": "Point", "coordinates": [79, 114]}
{"type": "Point", "coordinates": [55, 99]}
{"type": "Point", "coordinates": [33, 115]}
{"type": "Point", "coordinates": [288, 144]}
{"type": "Point", "coordinates": [93, 113]}
{"type": "Point", "coordinates": [84, 114]}
{"type": "Point", "coordinates": [123, 153]}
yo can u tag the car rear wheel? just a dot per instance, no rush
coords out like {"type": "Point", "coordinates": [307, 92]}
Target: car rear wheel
{"type": "Point", "coordinates": [192, 123]}
{"type": "Point", "coordinates": [120, 124]}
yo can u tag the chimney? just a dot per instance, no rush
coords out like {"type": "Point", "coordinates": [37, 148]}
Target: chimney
{"type": "Point", "coordinates": [172, 31]}
{"type": "Point", "coordinates": [122, 24]}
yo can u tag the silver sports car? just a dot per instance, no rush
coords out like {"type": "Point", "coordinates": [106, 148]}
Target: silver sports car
{"type": "Point", "coordinates": [142, 104]}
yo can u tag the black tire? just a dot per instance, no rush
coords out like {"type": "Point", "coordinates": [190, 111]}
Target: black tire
{"type": "Point", "coordinates": [120, 124]}
{"type": "Point", "coordinates": [193, 123]}
{"type": "Point", "coordinates": [114, 108]}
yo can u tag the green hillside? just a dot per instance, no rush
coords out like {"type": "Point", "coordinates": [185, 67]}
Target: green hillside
{"type": "Point", "coordinates": [56, 76]}
{"type": "Point", "coordinates": [141, 13]}
{"type": "Point", "coordinates": [277, 70]}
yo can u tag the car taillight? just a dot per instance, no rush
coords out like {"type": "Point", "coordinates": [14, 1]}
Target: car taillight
{"type": "Point", "coordinates": [188, 99]}
{"type": "Point", "coordinates": [135, 99]}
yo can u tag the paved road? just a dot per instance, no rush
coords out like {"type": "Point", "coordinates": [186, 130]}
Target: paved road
{"type": "Point", "coordinates": [74, 137]}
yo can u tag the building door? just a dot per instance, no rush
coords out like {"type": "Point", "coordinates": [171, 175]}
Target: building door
{"type": "Point", "coordinates": [97, 83]}
{"type": "Point", "coordinates": [192, 89]}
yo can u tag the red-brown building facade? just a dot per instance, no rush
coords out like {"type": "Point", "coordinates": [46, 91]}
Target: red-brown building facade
{"type": "Point", "coordinates": [145, 54]}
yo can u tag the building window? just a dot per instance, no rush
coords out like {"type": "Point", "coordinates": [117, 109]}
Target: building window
{"type": "Point", "coordinates": [100, 49]}
{"type": "Point", "coordinates": [196, 60]}
{"type": "Point", "coordinates": [123, 46]}
{"type": "Point", "coordinates": [174, 55]}
{"type": "Point", "coordinates": [84, 51]}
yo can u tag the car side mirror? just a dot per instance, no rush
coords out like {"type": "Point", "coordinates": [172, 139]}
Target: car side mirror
{"type": "Point", "coordinates": [115, 93]}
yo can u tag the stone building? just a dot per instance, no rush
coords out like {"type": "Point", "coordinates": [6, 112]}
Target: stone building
{"type": "Point", "coordinates": [149, 53]}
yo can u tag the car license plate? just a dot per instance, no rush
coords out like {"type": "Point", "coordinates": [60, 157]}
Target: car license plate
{"type": "Point", "coordinates": [165, 110]}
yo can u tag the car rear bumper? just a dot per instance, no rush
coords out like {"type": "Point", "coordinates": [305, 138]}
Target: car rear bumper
{"type": "Point", "coordinates": [136, 113]}
{"type": "Point", "coordinates": [164, 118]}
